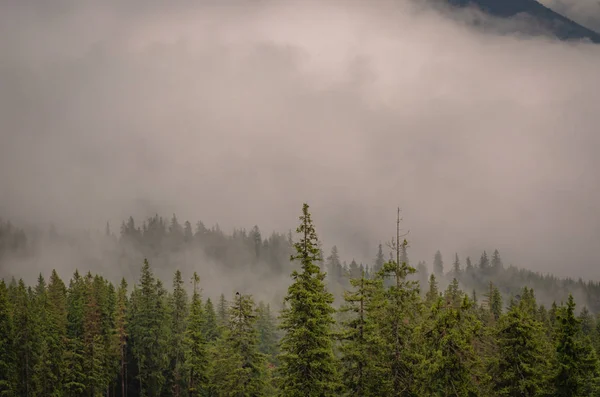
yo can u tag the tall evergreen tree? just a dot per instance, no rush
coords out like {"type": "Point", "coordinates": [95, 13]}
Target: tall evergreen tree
{"type": "Point", "coordinates": [522, 364]}
{"type": "Point", "coordinates": [56, 333]}
{"type": "Point", "coordinates": [438, 265]}
{"type": "Point", "coordinates": [496, 264]}
{"type": "Point", "coordinates": [7, 354]}
{"type": "Point", "coordinates": [222, 308]}
{"type": "Point", "coordinates": [308, 365]}
{"type": "Point", "coordinates": [379, 259]}
{"type": "Point", "coordinates": [148, 333]}
{"type": "Point", "coordinates": [179, 312]}
{"type": "Point", "coordinates": [361, 345]}
{"type": "Point", "coordinates": [121, 334]}
{"type": "Point", "coordinates": [196, 351]}
{"type": "Point", "coordinates": [456, 270]}
{"type": "Point", "coordinates": [211, 329]}
{"type": "Point", "coordinates": [267, 332]}
{"type": "Point", "coordinates": [577, 372]}
{"type": "Point", "coordinates": [450, 361]}
{"type": "Point", "coordinates": [396, 319]}
{"type": "Point", "coordinates": [248, 375]}
{"type": "Point", "coordinates": [484, 263]}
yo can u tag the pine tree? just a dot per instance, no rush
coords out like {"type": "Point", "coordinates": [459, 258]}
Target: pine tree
{"type": "Point", "coordinates": [179, 313]}
{"type": "Point", "coordinates": [468, 266]}
{"type": "Point", "coordinates": [494, 302]}
{"type": "Point", "coordinates": [577, 372]}
{"type": "Point", "coordinates": [93, 347]}
{"type": "Point", "coordinates": [496, 264]}
{"type": "Point", "coordinates": [267, 332]}
{"type": "Point", "coordinates": [222, 308]}
{"type": "Point", "coordinates": [196, 352]}
{"type": "Point", "coordinates": [379, 259]}
{"type": "Point", "coordinates": [361, 344]}
{"type": "Point", "coordinates": [44, 379]}
{"type": "Point", "coordinates": [248, 377]}
{"type": "Point", "coordinates": [148, 333]}
{"type": "Point", "coordinates": [438, 265]}
{"type": "Point", "coordinates": [450, 361]}
{"type": "Point", "coordinates": [75, 376]}
{"type": "Point", "coordinates": [308, 365]}
{"type": "Point", "coordinates": [211, 329]}
{"type": "Point", "coordinates": [334, 266]}
{"type": "Point", "coordinates": [586, 321]}
{"type": "Point", "coordinates": [484, 263]}
{"type": "Point", "coordinates": [456, 267]}
{"type": "Point", "coordinates": [56, 333]}
{"type": "Point", "coordinates": [397, 319]}
{"type": "Point", "coordinates": [121, 334]}
{"type": "Point", "coordinates": [433, 293]}
{"type": "Point", "coordinates": [7, 354]}
{"type": "Point", "coordinates": [522, 365]}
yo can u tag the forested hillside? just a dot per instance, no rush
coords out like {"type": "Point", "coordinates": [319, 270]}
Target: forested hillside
{"type": "Point", "coordinates": [391, 332]}
{"type": "Point", "coordinates": [251, 262]}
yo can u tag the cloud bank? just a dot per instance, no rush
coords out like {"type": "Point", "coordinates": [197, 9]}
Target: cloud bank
{"type": "Point", "coordinates": [237, 113]}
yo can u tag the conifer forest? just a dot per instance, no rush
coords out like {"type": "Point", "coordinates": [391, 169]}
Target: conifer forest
{"type": "Point", "coordinates": [387, 328]}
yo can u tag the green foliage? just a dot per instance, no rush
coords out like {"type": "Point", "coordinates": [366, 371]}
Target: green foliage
{"type": "Point", "coordinates": [361, 344]}
{"type": "Point", "coordinates": [449, 363]}
{"type": "Point", "coordinates": [195, 342]}
{"type": "Point", "coordinates": [308, 365]}
{"type": "Point", "coordinates": [92, 339]}
{"type": "Point", "coordinates": [211, 329]}
{"type": "Point", "coordinates": [266, 328]}
{"type": "Point", "coordinates": [7, 356]}
{"type": "Point", "coordinates": [577, 364]}
{"type": "Point", "coordinates": [149, 333]}
{"type": "Point", "coordinates": [523, 364]}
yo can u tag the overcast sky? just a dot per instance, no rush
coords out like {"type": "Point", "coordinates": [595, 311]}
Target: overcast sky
{"type": "Point", "coordinates": [238, 113]}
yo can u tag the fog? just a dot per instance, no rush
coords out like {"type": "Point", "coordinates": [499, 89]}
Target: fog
{"type": "Point", "coordinates": [238, 112]}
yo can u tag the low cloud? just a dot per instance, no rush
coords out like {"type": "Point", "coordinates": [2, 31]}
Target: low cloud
{"type": "Point", "coordinates": [238, 113]}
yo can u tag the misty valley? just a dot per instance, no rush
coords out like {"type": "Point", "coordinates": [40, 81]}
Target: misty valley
{"type": "Point", "coordinates": [326, 327]}
{"type": "Point", "coordinates": [158, 159]}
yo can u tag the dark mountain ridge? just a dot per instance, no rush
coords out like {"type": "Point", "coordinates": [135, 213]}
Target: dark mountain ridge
{"type": "Point", "coordinates": [553, 22]}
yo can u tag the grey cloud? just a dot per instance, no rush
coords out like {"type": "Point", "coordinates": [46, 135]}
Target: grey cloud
{"type": "Point", "coordinates": [237, 114]}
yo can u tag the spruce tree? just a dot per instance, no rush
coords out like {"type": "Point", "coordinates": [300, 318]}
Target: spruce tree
{"type": "Point", "coordinates": [379, 259]}
{"type": "Point", "coordinates": [433, 292]}
{"type": "Point", "coordinates": [308, 366]}
{"type": "Point", "coordinates": [248, 377]}
{"type": "Point", "coordinates": [267, 332]}
{"type": "Point", "coordinates": [438, 265]}
{"type": "Point", "coordinates": [196, 351]}
{"type": "Point", "coordinates": [149, 333]}
{"type": "Point", "coordinates": [484, 263]}
{"type": "Point", "coordinates": [211, 329]}
{"type": "Point", "coordinates": [361, 344]}
{"type": "Point", "coordinates": [222, 307]}
{"type": "Point", "coordinates": [456, 267]}
{"type": "Point", "coordinates": [179, 313]}
{"type": "Point", "coordinates": [522, 364]}
{"type": "Point", "coordinates": [397, 319]}
{"type": "Point", "coordinates": [496, 264]}
{"type": "Point", "coordinates": [56, 334]}
{"type": "Point", "coordinates": [121, 334]}
{"type": "Point", "coordinates": [577, 371]}
{"type": "Point", "coordinates": [75, 376]}
{"type": "Point", "coordinates": [7, 353]}
{"type": "Point", "coordinates": [450, 362]}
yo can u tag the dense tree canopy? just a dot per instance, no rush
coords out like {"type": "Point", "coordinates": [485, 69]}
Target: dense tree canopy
{"type": "Point", "coordinates": [396, 330]}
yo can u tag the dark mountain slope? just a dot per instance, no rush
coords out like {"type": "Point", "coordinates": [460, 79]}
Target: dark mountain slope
{"type": "Point", "coordinates": [557, 24]}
